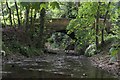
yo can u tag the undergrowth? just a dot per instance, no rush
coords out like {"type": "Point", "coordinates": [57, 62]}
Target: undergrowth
{"type": "Point", "coordinates": [18, 41]}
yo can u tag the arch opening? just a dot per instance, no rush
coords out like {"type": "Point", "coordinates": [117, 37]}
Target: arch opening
{"type": "Point", "coordinates": [61, 40]}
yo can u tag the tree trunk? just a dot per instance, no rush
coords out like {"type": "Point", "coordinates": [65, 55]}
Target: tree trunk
{"type": "Point", "coordinates": [17, 14]}
{"type": "Point", "coordinates": [31, 17]}
{"type": "Point", "coordinates": [102, 31]}
{"type": "Point", "coordinates": [14, 19]}
{"type": "Point", "coordinates": [42, 21]}
{"type": "Point", "coordinates": [27, 18]}
{"type": "Point", "coordinates": [102, 37]}
{"type": "Point", "coordinates": [34, 19]}
{"type": "Point", "coordinates": [97, 25]}
{"type": "Point", "coordinates": [3, 13]}
{"type": "Point", "coordinates": [35, 16]}
{"type": "Point", "coordinates": [21, 18]}
{"type": "Point", "coordinates": [10, 17]}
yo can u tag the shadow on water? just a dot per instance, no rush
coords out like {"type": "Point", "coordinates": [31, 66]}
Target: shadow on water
{"type": "Point", "coordinates": [53, 66]}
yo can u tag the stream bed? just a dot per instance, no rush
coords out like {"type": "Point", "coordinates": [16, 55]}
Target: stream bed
{"type": "Point", "coordinates": [52, 66]}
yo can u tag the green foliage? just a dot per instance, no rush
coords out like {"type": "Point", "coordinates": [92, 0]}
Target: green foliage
{"type": "Point", "coordinates": [43, 5]}
{"type": "Point", "coordinates": [72, 9]}
{"type": "Point", "coordinates": [16, 47]}
{"type": "Point", "coordinates": [35, 5]}
{"type": "Point", "coordinates": [91, 50]}
{"type": "Point", "coordinates": [6, 49]}
{"type": "Point", "coordinates": [25, 4]}
{"type": "Point", "coordinates": [54, 5]}
{"type": "Point", "coordinates": [55, 10]}
{"type": "Point", "coordinates": [22, 6]}
{"type": "Point", "coordinates": [59, 40]}
{"type": "Point", "coordinates": [114, 50]}
{"type": "Point", "coordinates": [82, 25]}
{"type": "Point", "coordinates": [62, 10]}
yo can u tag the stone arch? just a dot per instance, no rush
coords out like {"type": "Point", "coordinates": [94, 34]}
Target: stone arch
{"type": "Point", "coordinates": [72, 35]}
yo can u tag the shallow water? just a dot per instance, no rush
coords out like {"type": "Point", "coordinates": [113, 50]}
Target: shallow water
{"type": "Point", "coordinates": [53, 66]}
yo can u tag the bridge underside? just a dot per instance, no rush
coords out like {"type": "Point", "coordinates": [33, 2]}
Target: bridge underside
{"type": "Point", "coordinates": [58, 25]}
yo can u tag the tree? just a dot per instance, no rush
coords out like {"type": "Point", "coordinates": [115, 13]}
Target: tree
{"type": "Point", "coordinates": [89, 18]}
{"type": "Point", "coordinates": [17, 14]}
{"type": "Point", "coordinates": [82, 25]}
{"type": "Point", "coordinates": [26, 5]}
{"type": "Point", "coordinates": [27, 17]}
{"type": "Point", "coordinates": [14, 18]}
{"type": "Point", "coordinates": [97, 24]}
{"type": "Point", "coordinates": [3, 13]}
{"type": "Point", "coordinates": [42, 21]}
{"type": "Point", "coordinates": [10, 14]}
{"type": "Point", "coordinates": [105, 17]}
{"type": "Point", "coordinates": [43, 7]}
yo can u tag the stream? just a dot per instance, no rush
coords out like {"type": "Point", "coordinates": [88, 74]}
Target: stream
{"type": "Point", "coordinates": [52, 66]}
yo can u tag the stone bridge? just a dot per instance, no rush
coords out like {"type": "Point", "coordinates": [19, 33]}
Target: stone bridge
{"type": "Point", "coordinates": [59, 25]}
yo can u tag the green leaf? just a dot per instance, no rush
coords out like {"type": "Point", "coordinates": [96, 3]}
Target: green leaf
{"type": "Point", "coordinates": [25, 4]}
{"type": "Point", "coordinates": [54, 5]}
{"type": "Point", "coordinates": [43, 5]}
{"type": "Point", "coordinates": [113, 51]}
{"type": "Point", "coordinates": [35, 5]}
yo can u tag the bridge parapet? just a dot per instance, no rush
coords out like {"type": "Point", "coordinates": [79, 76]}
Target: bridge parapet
{"type": "Point", "coordinates": [57, 24]}
{"type": "Point", "coordinates": [53, 25]}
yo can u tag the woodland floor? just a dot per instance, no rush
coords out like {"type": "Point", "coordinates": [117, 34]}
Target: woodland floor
{"type": "Point", "coordinates": [102, 61]}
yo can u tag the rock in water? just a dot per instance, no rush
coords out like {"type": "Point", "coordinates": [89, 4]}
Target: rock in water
{"type": "Point", "coordinates": [3, 53]}
{"type": "Point", "coordinates": [113, 59]}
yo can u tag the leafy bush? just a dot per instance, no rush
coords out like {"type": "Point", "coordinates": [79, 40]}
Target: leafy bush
{"type": "Point", "coordinates": [114, 51]}
{"type": "Point", "coordinates": [90, 50]}
{"type": "Point", "coordinates": [16, 47]}
{"type": "Point", "coordinates": [115, 48]}
{"type": "Point", "coordinates": [59, 40]}
{"type": "Point", "coordinates": [6, 49]}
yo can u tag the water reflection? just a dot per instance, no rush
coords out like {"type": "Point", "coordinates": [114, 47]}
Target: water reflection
{"type": "Point", "coordinates": [53, 66]}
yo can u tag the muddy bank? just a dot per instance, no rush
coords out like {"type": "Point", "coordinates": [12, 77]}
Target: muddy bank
{"type": "Point", "coordinates": [102, 61]}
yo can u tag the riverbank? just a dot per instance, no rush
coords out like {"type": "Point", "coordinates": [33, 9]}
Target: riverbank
{"type": "Point", "coordinates": [102, 61]}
